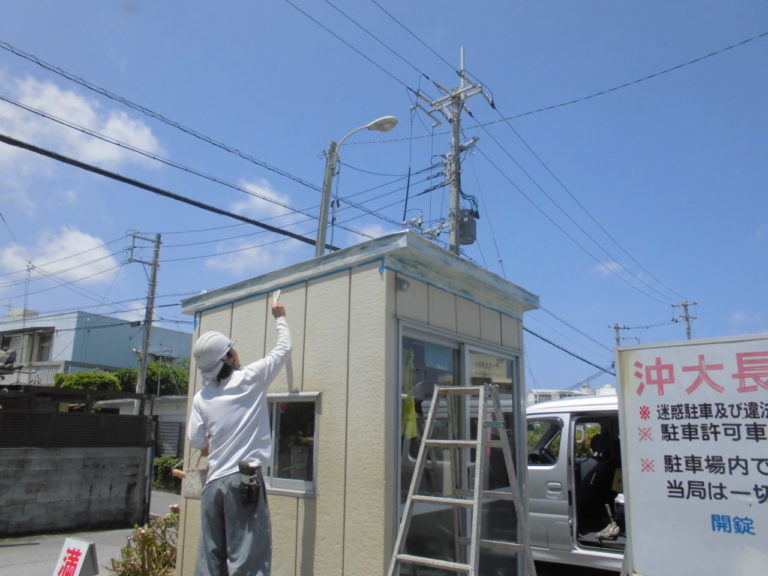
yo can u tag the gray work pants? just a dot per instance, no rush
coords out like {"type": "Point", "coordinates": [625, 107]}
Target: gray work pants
{"type": "Point", "coordinates": [236, 538]}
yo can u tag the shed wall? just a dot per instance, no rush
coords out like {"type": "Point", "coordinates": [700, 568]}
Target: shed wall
{"type": "Point", "coordinates": [339, 328]}
{"type": "Point", "coordinates": [345, 327]}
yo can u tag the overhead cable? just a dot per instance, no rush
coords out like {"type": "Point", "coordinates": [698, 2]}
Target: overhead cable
{"type": "Point", "coordinates": [540, 337]}
{"type": "Point", "coordinates": [152, 114]}
{"type": "Point", "coordinates": [637, 277]}
{"type": "Point", "coordinates": [350, 46]}
{"type": "Point", "coordinates": [372, 35]}
{"type": "Point", "coordinates": [638, 80]}
{"type": "Point", "coordinates": [154, 189]}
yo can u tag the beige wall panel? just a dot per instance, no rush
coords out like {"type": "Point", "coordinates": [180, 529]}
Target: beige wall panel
{"type": "Point", "coordinates": [490, 326]}
{"type": "Point", "coordinates": [308, 538]}
{"type": "Point", "coordinates": [468, 317]}
{"type": "Point", "coordinates": [189, 530]}
{"type": "Point", "coordinates": [283, 512]}
{"type": "Point", "coordinates": [189, 526]}
{"type": "Point", "coordinates": [442, 309]}
{"type": "Point", "coordinates": [325, 371]}
{"type": "Point", "coordinates": [249, 321]}
{"type": "Point", "coordinates": [511, 333]}
{"type": "Point", "coordinates": [413, 301]}
{"type": "Point", "coordinates": [367, 429]}
{"type": "Point", "coordinates": [294, 299]}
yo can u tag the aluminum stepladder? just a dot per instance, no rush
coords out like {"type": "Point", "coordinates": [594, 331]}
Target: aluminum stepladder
{"type": "Point", "coordinates": [490, 421]}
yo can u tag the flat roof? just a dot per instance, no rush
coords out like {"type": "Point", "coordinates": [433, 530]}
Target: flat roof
{"type": "Point", "coordinates": [406, 253]}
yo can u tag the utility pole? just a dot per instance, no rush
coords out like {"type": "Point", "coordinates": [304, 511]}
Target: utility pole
{"type": "Point", "coordinates": [148, 311]}
{"type": "Point", "coordinates": [617, 329]}
{"type": "Point", "coordinates": [451, 105]}
{"type": "Point", "coordinates": [686, 317]}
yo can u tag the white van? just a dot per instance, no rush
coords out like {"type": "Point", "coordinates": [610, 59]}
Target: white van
{"type": "Point", "coordinates": [575, 496]}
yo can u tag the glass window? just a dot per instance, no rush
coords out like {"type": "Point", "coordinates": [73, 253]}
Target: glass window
{"type": "Point", "coordinates": [425, 365]}
{"type": "Point", "coordinates": [293, 419]}
{"type": "Point", "coordinates": [438, 528]}
{"type": "Point", "coordinates": [43, 346]}
{"type": "Point", "coordinates": [544, 441]}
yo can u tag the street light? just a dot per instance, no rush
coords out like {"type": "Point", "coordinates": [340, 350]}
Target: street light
{"type": "Point", "coordinates": [383, 124]}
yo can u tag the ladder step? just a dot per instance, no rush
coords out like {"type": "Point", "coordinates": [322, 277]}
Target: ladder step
{"type": "Point", "coordinates": [433, 562]}
{"type": "Point", "coordinates": [443, 500]}
{"type": "Point", "coordinates": [493, 443]}
{"type": "Point", "coordinates": [493, 424]}
{"type": "Point", "coordinates": [451, 443]}
{"type": "Point", "coordinates": [494, 495]}
{"type": "Point", "coordinates": [502, 545]}
{"type": "Point", "coordinates": [474, 390]}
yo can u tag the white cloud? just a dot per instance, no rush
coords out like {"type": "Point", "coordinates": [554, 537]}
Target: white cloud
{"type": "Point", "coordinates": [251, 258]}
{"type": "Point", "coordinates": [748, 322]}
{"type": "Point", "coordinates": [75, 109]}
{"type": "Point", "coordinates": [265, 203]}
{"type": "Point", "coordinates": [609, 268]}
{"type": "Point", "coordinates": [67, 255]}
{"type": "Point", "coordinates": [369, 231]}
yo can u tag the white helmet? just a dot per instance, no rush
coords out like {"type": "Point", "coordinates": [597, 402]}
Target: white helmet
{"type": "Point", "coordinates": [209, 350]}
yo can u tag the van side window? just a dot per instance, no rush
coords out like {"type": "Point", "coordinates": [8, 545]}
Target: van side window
{"type": "Point", "coordinates": [544, 441]}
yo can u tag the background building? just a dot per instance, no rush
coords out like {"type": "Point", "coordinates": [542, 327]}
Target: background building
{"type": "Point", "coordinates": [81, 341]}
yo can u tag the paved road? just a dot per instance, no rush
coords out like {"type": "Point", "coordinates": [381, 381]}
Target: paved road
{"type": "Point", "coordinates": [37, 555]}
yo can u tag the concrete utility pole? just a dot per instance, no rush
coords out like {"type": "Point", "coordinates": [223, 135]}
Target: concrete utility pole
{"type": "Point", "coordinates": [685, 317]}
{"type": "Point", "coordinates": [451, 105]}
{"type": "Point", "coordinates": [148, 311]}
{"type": "Point", "coordinates": [617, 329]}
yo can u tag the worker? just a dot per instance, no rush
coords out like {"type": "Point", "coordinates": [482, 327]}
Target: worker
{"type": "Point", "coordinates": [229, 424]}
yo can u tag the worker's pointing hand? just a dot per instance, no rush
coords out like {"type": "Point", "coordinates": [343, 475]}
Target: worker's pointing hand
{"type": "Point", "coordinates": [278, 309]}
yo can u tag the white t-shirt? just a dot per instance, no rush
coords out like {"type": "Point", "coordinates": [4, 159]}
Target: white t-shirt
{"type": "Point", "coordinates": [232, 417]}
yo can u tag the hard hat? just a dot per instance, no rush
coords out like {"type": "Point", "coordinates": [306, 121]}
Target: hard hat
{"type": "Point", "coordinates": [209, 349]}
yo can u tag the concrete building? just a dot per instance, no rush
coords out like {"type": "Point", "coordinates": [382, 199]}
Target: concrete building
{"type": "Point", "coordinates": [81, 341]}
{"type": "Point", "coordinates": [545, 395]}
{"type": "Point", "coordinates": [375, 327]}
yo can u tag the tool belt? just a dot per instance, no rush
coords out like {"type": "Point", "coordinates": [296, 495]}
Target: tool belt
{"type": "Point", "coordinates": [251, 482]}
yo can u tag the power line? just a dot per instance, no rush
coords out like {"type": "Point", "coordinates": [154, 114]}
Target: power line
{"type": "Point", "coordinates": [348, 45]}
{"type": "Point", "coordinates": [416, 37]}
{"type": "Point", "coordinates": [168, 162]}
{"type": "Point", "coordinates": [540, 337]}
{"type": "Point", "coordinates": [154, 189]}
{"type": "Point", "coordinates": [151, 113]}
{"type": "Point", "coordinates": [372, 35]}
{"type": "Point", "coordinates": [638, 80]}
{"type": "Point", "coordinates": [581, 206]}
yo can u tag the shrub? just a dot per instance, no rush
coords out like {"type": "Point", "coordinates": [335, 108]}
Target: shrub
{"type": "Point", "coordinates": [151, 549]}
{"type": "Point", "coordinates": [101, 381]}
{"type": "Point", "coordinates": [162, 479]}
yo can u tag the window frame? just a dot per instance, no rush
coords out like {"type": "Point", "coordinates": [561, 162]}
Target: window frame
{"type": "Point", "coordinates": [292, 486]}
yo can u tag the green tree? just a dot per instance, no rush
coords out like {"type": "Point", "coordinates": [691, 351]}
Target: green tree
{"type": "Point", "coordinates": [102, 381]}
{"type": "Point", "coordinates": [173, 379]}
{"type": "Point", "coordinates": [127, 378]}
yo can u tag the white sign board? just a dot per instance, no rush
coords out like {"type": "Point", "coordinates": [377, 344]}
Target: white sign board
{"type": "Point", "coordinates": [77, 558]}
{"type": "Point", "coordinates": [695, 456]}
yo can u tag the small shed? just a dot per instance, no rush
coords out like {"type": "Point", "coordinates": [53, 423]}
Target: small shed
{"type": "Point", "coordinates": [375, 327]}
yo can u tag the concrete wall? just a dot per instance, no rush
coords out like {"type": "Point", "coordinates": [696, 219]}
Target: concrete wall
{"type": "Point", "coordinates": [67, 489]}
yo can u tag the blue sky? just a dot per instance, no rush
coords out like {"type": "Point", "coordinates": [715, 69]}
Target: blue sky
{"type": "Point", "coordinates": [622, 170]}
